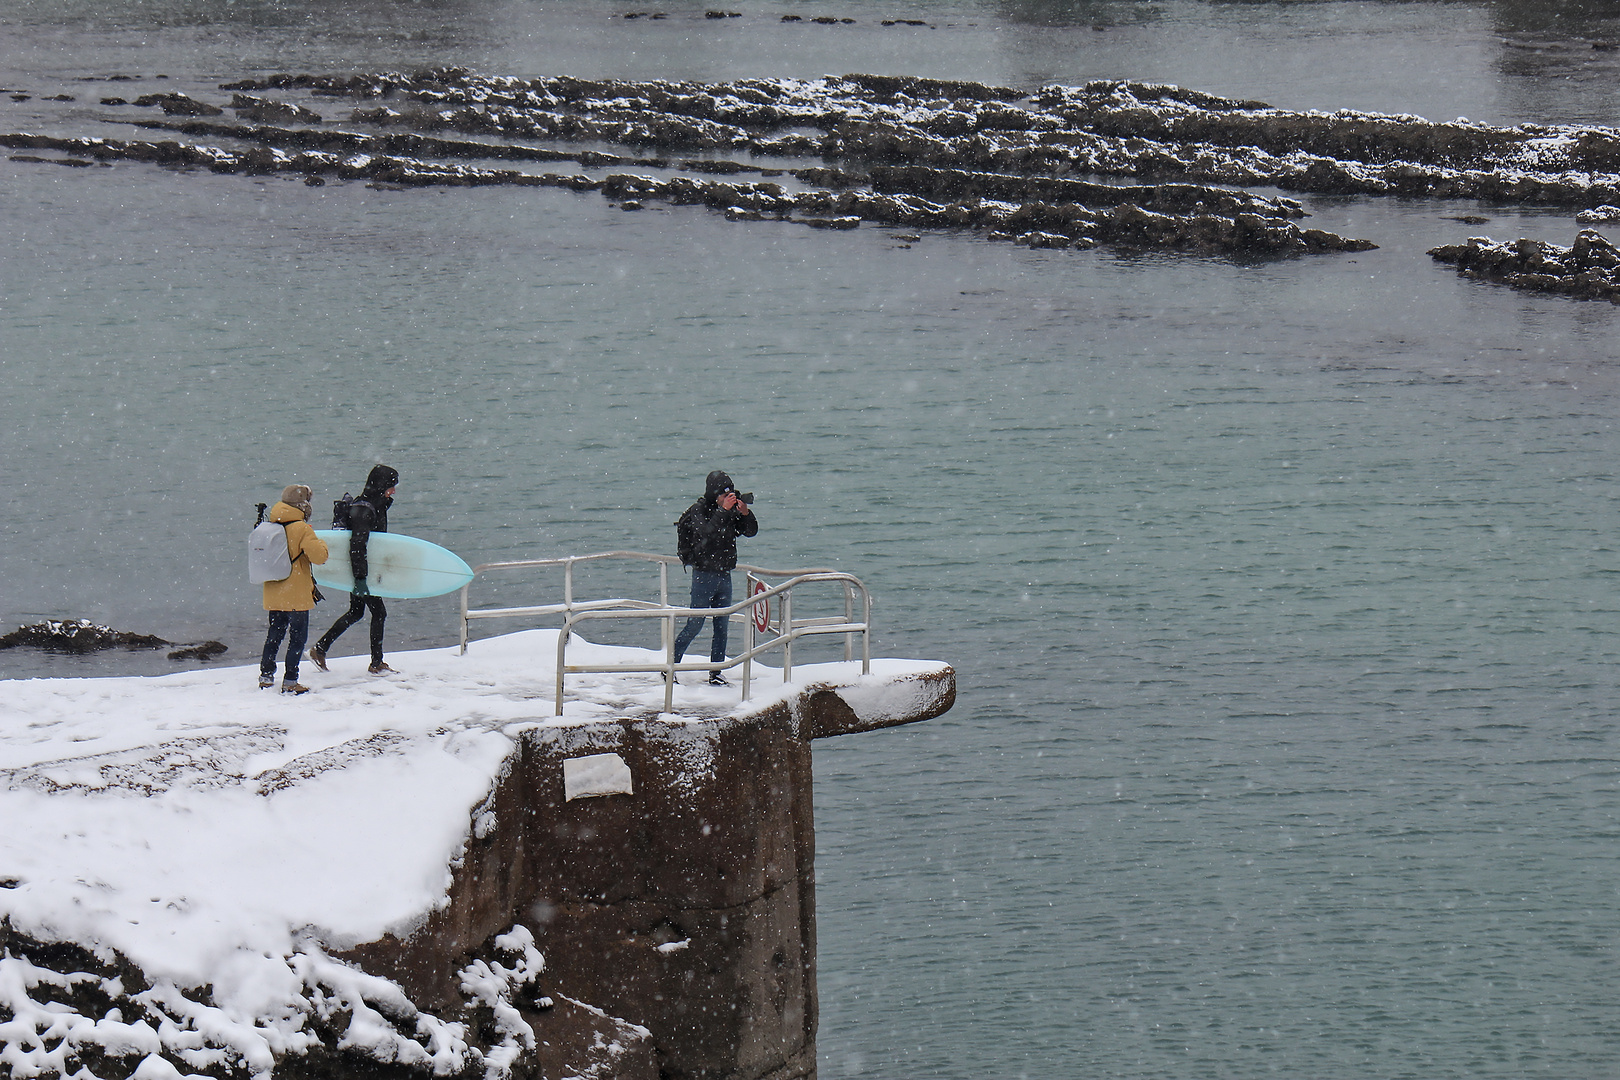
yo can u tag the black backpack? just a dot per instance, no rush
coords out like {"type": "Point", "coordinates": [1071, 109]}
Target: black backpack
{"type": "Point", "coordinates": [686, 539]}
{"type": "Point", "coordinates": [340, 511]}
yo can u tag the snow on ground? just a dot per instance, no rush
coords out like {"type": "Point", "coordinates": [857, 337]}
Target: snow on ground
{"type": "Point", "coordinates": [201, 826]}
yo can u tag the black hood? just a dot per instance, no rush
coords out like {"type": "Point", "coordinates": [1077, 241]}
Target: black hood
{"type": "Point", "coordinates": [717, 483]}
{"type": "Point", "coordinates": [379, 481]}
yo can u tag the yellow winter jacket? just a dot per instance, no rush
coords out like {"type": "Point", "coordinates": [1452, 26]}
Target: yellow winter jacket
{"type": "Point", "coordinates": [296, 591]}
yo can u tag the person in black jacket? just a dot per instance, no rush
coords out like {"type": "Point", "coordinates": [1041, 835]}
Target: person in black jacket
{"type": "Point", "coordinates": [707, 542]}
{"type": "Point", "coordinates": [367, 514]}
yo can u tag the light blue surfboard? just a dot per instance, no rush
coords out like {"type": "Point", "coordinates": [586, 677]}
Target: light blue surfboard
{"type": "Point", "coordinates": [399, 567]}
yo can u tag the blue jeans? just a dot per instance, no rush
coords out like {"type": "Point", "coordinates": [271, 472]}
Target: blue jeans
{"type": "Point", "coordinates": [710, 589]}
{"type": "Point", "coordinates": [280, 623]}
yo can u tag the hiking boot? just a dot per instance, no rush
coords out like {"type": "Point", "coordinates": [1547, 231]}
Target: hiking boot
{"type": "Point", "coordinates": [266, 681]}
{"type": "Point", "coordinates": [380, 668]}
{"type": "Point", "coordinates": [294, 688]}
{"type": "Point", "coordinates": [717, 679]}
{"type": "Point", "coordinates": [318, 654]}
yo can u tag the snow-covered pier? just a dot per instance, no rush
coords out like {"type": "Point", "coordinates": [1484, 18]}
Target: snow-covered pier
{"type": "Point", "coordinates": [424, 874]}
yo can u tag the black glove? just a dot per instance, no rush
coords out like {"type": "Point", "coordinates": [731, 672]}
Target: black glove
{"type": "Point", "coordinates": [361, 588]}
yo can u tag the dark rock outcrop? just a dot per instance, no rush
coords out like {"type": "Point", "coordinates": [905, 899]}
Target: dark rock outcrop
{"type": "Point", "coordinates": [1589, 269]}
{"type": "Point", "coordinates": [179, 105]}
{"type": "Point", "coordinates": [77, 636]}
{"type": "Point", "coordinates": [267, 111]}
{"type": "Point", "coordinates": [84, 636]}
{"type": "Point", "coordinates": [202, 650]}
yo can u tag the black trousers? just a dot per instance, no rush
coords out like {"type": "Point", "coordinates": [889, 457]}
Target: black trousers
{"type": "Point", "coordinates": [357, 608]}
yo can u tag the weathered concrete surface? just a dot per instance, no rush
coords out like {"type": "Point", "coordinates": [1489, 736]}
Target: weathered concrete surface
{"type": "Point", "coordinates": [686, 907]}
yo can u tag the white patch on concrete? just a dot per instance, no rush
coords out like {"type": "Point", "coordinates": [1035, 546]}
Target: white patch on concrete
{"type": "Point", "coordinates": [595, 774]}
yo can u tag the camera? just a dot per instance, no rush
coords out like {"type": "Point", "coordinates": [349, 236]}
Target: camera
{"type": "Point", "coordinates": [745, 496]}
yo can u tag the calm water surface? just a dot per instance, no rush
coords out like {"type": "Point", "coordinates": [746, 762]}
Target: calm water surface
{"type": "Point", "coordinates": [1281, 594]}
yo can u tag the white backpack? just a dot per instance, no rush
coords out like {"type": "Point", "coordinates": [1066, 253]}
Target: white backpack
{"type": "Point", "coordinates": [268, 557]}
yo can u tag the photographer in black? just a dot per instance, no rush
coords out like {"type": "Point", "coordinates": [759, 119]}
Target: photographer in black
{"type": "Point", "coordinates": [706, 540]}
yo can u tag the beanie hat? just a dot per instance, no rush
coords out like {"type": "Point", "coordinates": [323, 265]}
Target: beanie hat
{"type": "Point", "coordinates": [297, 496]}
{"type": "Point", "coordinates": [717, 483]}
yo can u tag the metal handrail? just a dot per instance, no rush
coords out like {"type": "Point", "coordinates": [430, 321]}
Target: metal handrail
{"type": "Point", "coordinates": [567, 563]}
{"type": "Point", "coordinates": [786, 630]}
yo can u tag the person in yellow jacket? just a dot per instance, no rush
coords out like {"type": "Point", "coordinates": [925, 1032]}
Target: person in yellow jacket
{"type": "Point", "coordinates": [289, 600]}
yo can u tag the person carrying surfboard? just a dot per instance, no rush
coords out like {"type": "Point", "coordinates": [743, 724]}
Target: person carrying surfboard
{"type": "Point", "coordinates": [366, 515]}
{"type": "Point", "coordinates": [290, 599]}
{"type": "Point", "coordinates": [706, 540]}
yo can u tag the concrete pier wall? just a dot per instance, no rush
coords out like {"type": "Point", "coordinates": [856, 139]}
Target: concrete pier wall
{"type": "Point", "coordinates": [685, 908]}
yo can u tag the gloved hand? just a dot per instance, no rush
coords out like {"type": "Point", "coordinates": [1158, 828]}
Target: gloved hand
{"type": "Point", "coordinates": [361, 588]}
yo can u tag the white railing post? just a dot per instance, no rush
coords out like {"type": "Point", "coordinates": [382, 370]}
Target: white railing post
{"type": "Point", "coordinates": [748, 635]}
{"type": "Point", "coordinates": [669, 662]}
{"type": "Point", "coordinates": [464, 589]}
{"type": "Point", "coordinates": [562, 663]}
{"type": "Point", "coordinates": [788, 636]}
{"type": "Point", "coordinates": [849, 616]}
{"type": "Point", "coordinates": [866, 631]}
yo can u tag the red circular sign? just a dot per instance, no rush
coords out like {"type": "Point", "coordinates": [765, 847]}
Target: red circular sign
{"type": "Point", "coordinates": [762, 609]}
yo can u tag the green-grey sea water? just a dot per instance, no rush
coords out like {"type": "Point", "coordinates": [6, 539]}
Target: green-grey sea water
{"type": "Point", "coordinates": [1281, 594]}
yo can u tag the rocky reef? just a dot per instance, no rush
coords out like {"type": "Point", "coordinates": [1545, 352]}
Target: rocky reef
{"type": "Point", "coordinates": [84, 636]}
{"type": "Point", "coordinates": [1589, 269]}
{"type": "Point", "coordinates": [1112, 163]}
{"type": "Point", "coordinates": [828, 153]}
